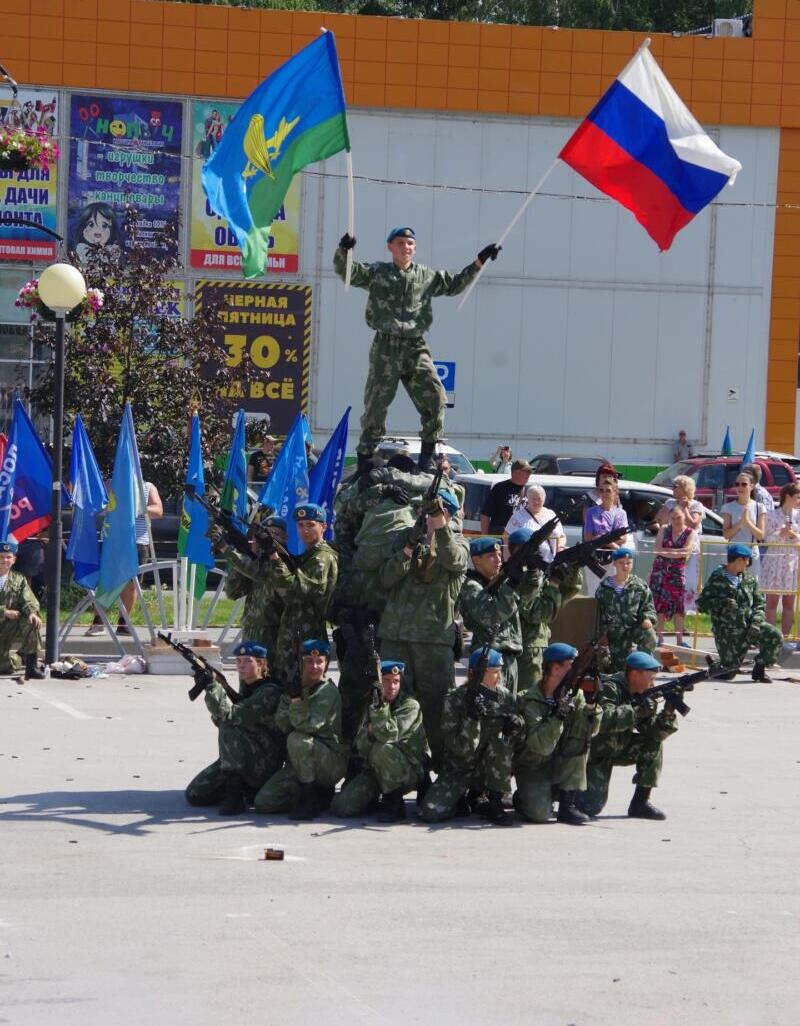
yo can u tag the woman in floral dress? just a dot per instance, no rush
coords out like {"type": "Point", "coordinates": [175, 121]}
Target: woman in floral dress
{"type": "Point", "coordinates": [779, 563]}
{"type": "Point", "coordinates": [674, 544]}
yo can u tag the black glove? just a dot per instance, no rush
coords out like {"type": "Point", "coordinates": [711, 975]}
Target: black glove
{"type": "Point", "coordinates": [376, 698]}
{"type": "Point", "coordinates": [397, 493]}
{"type": "Point", "coordinates": [515, 575]}
{"type": "Point", "coordinates": [348, 242]}
{"type": "Point", "coordinates": [203, 678]}
{"type": "Point", "coordinates": [294, 689]}
{"type": "Point", "coordinates": [513, 724]}
{"type": "Point", "coordinates": [556, 709]}
{"type": "Point", "coordinates": [488, 252]}
{"type": "Point", "coordinates": [417, 533]}
{"type": "Point", "coordinates": [476, 706]}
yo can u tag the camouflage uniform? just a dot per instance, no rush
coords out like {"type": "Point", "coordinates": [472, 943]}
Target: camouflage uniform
{"type": "Point", "coordinates": [17, 637]}
{"type": "Point", "coordinates": [418, 624]}
{"type": "Point", "coordinates": [537, 610]}
{"type": "Point", "coordinates": [391, 747]}
{"type": "Point", "coordinates": [250, 741]}
{"type": "Point", "coordinates": [482, 610]}
{"type": "Point", "coordinates": [737, 618]}
{"type": "Point", "coordinates": [620, 615]}
{"type": "Point", "coordinates": [314, 747]}
{"type": "Point", "coordinates": [628, 735]}
{"type": "Point", "coordinates": [399, 310]}
{"type": "Point", "coordinates": [263, 607]}
{"type": "Point", "coordinates": [305, 597]}
{"type": "Point", "coordinates": [476, 755]}
{"type": "Point", "coordinates": [552, 754]}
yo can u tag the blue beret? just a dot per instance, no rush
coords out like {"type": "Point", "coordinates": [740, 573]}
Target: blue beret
{"type": "Point", "coordinates": [520, 536]}
{"type": "Point", "coordinates": [495, 659]}
{"type": "Point", "coordinates": [250, 648]}
{"type": "Point", "coordinates": [392, 666]}
{"type": "Point", "coordinates": [621, 553]}
{"type": "Point", "coordinates": [642, 661]}
{"type": "Point", "coordinates": [278, 522]}
{"type": "Point", "coordinates": [404, 230]}
{"type": "Point", "coordinates": [739, 551]}
{"type": "Point", "coordinates": [558, 652]}
{"type": "Point", "coordinates": [480, 546]}
{"type": "Point", "coordinates": [449, 501]}
{"type": "Point", "coordinates": [315, 647]}
{"type": "Point", "coordinates": [9, 545]}
{"type": "Point", "coordinates": [310, 511]}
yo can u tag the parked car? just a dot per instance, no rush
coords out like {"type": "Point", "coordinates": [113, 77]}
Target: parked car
{"type": "Point", "coordinates": [715, 476]}
{"type": "Point", "coordinates": [569, 465]}
{"type": "Point", "coordinates": [568, 496]}
{"type": "Point", "coordinates": [392, 444]}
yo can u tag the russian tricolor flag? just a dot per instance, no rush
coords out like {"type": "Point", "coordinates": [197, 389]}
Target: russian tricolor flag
{"type": "Point", "coordinates": [641, 146]}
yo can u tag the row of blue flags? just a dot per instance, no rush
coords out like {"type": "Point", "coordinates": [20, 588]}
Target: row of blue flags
{"type": "Point", "coordinates": [750, 451]}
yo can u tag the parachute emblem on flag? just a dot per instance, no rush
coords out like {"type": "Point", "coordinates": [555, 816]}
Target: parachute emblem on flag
{"type": "Point", "coordinates": [260, 152]}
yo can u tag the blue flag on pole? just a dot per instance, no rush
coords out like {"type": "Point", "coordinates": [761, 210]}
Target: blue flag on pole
{"type": "Point", "coordinates": [194, 542]}
{"type": "Point", "coordinates": [325, 475]}
{"type": "Point", "coordinates": [119, 559]}
{"type": "Point", "coordinates": [89, 498]}
{"type": "Point", "coordinates": [750, 451]}
{"type": "Point", "coordinates": [26, 480]}
{"type": "Point", "coordinates": [234, 489]}
{"type": "Point", "coordinates": [727, 447]}
{"type": "Point", "coordinates": [287, 484]}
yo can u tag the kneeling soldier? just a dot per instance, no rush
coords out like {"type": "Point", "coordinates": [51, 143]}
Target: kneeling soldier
{"type": "Point", "coordinates": [251, 744]}
{"type": "Point", "coordinates": [19, 626]}
{"type": "Point", "coordinates": [316, 757]}
{"type": "Point", "coordinates": [625, 610]}
{"type": "Point", "coordinates": [391, 750]}
{"type": "Point", "coordinates": [632, 732]}
{"type": "Point", "coordinates": [551, 756]}
{"type": "Point", "coordinates": [478, 725]}
{"type": "Point", "coordinates": [736, 606]}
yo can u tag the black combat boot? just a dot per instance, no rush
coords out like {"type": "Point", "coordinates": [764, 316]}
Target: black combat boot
{"type": "Point", "coordinates": [640, 807]}
{"type": "Point", "coordinates": [307, 806]}
{"type": "Point", "coordinates": [425, 462]}
{"type": "Point", "coordinates": [422, 786]}
{"type": "Point", "coordinates": [759, 673]}
{"type": "Point", "coordinates": [233, 804]}
{"type": "Point", "coordinates": [325, 796]}
{"type": "Point", "coordinates": [567, 813]}
{"type": "Point", "coordinates": [32, 669]}
{"type": "Point", "coordinates": [393, 808]}
{"type": "Point", "coordinates": [363, 465]}
{"type": "Point", "coordinates": [495, 811]}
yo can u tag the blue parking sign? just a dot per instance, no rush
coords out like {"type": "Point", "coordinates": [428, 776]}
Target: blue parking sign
{"type": "Point", "coordinates": [447, 375]}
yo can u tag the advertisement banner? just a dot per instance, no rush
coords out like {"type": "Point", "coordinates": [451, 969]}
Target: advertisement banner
{"type": "Point", "coordinates": [212, 244]}
{"type": "Point", "coordinates": [30, 195]}
{"type": "Point", "coordinates": [265, 330]}
{"type": "Point", "coordinates": [123, 150]}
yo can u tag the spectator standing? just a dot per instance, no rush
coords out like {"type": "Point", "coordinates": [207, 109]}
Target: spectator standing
{"type": "Point", "coordinates": [155, 509]}
{"type": "Point", "coordinates": [607, 515]}
{"type": "Point", "coordinates": [674, 545]}
{"type": "Point", "coordinates": [505, 498]}
{"type": "Point", "coordinates": [779, 564]}
{"type": "Point", "coordinates": [683, 448]}
{"type": "Point", "coordinates": [683, 489]}
{"type": "Point", "coordinates": [743, 519]}
{"type": "Point", "coordinates": [501, 460]}
{"type": "Point", "coordinates": [261, 460]}
{"type": "Point", "coordinates": [760, 493]}
{"type": "Point", "coordinates": [533, 515]}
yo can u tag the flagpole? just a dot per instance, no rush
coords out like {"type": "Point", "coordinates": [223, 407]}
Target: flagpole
{"type": "Point", "coordinates": [507, 232]}
{"type": "Point", "coordinates": [351, 217]}
{"type": "Point", "coordinates": [190, 610]}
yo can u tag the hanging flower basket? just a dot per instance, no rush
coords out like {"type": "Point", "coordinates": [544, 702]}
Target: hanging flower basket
{"type": "Point", "coordinates": [87, 309]}
{"type": "Point", "coordinates": [21, 150]}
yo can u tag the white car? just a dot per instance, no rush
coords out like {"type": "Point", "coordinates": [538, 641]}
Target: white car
{"type": "Point", "coordinates": [391, 444]}
{"type": "Point", "coordinates": [568, 496]}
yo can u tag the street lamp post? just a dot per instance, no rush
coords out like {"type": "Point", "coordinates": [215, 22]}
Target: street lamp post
{"type": "Point", "coordinates": [61, 288]}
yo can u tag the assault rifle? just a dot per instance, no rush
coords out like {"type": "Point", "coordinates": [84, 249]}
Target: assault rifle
{"type": "Point", "coordinates": [294, 678]}
{"type": "Point", "coordinates": [561, 702]}
{"type": "Point", "coordinates": [418, 530]}
{"type": "Point", "coordinates": [201, 665]}
{"type": "Point", "coordinates": [265, 540]}
{"type": "Point", "coordinates": [372, 667]}
{"type": "Point", "coordinates": [525, 557]}
{"type": "Point", "coordinates": [478, 695]}
{"type": "Point", "coordinates": [586, 553]}
{"type": "Point", "coordinates": [673, 691]}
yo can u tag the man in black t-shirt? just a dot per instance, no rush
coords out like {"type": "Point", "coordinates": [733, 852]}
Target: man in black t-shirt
{"type": "Point", "coordinates": [504, 498]}
{"type": "Point", "coordinates": [260, 462]}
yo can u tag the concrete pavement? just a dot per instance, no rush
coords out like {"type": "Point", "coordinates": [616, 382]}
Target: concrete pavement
{"type": "Point", "coordinates": [122, 905]}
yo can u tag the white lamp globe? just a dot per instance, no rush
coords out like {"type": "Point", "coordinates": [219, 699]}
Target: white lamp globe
{"type": "Point", "coordinates": [61, 287]}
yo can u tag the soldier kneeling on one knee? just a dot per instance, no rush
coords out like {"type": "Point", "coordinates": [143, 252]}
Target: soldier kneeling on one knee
{"type": "Point", "coordinates": [252, 745]}
{"type": "Point", "coordinates": [390, 751]}
{"type": "Point", "coordinates": [310, 713]}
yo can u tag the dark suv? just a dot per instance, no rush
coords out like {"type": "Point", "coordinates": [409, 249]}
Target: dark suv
{"type": "Point", "coordinates": [547, 463]}
{"type": "Point", "coordinates": [714, 477]}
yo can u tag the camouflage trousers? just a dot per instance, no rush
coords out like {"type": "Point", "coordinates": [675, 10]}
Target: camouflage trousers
{"type": "Point", "coordinates": [529, 668]}
{"type": "Point", "coordinates": [564, 769]}
{"type": "Point", "coordinates": [308, 761]}
{"type": "Point", "coordinates": [254, 755]}
{"type": "Point", "coordinates": [621, 643]}
{"type": "Point", "coordinates": [732, 646]}
{"type": "Point", "coordinates": [645, 753]}
{"type": "Point", "coordinates": [430, 673]}
{"type": "Point", "coordinates": [17, 638]}
{"type": "Point", "coordinates": [490, 770]}
{"type": "Point", "coordinates": [393, 359]}
{"type": "Point", "coordinates": [385, 769]}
